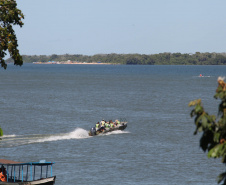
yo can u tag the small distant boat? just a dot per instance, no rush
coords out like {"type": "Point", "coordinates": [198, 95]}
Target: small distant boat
{"type": "Point", "coordinates": [30, 173]}
{"type": "Point", "coordinates": [103, 130]}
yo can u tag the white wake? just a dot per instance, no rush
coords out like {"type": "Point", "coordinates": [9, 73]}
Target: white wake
{"type": "Point", "coordinates": [78, 133]}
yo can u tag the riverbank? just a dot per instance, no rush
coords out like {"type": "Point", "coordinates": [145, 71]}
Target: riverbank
{"type": "Point", "coordinates": [72, 62]}
{"type": "Point", "coordinates": [133, 59]}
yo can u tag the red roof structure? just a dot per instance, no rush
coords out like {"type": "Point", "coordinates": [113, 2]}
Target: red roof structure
{"type": "Point", "coordinates": [5, 161]}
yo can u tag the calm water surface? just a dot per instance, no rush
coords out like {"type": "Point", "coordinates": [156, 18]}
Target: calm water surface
{"type": "Point", "coordinates": [47, 110]}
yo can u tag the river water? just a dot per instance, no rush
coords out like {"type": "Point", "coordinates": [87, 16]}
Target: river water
{"type": "Point", "coordinates": [47, 110]}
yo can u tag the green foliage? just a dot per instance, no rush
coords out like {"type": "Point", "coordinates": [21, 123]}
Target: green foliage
{"type": "Point", "coordinates": [9, 16]}
{"type": "Point", "coordinates": [213, 130]}
{"type": "Point", "coordinates": [135, 59]}
{"type": "Point", "coordinates": [1, 132]}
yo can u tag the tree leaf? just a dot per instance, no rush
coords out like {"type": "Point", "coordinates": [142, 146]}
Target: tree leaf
{"type": "Point", "coordinates": [206, 140]}
{"type": "Point", "coordinates": [215, 152]}
{"type": "Point", "coordinates": [1, 132]}
{"type": "Point", "coordinates": [216, 137]}
{"type": "Point", "coordinates": [221, 177]}
{"type": "Point", "coordinates": [198, 109]}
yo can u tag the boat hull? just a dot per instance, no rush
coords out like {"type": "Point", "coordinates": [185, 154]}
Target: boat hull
{"type": "Point", "coordinates": [44, 181]}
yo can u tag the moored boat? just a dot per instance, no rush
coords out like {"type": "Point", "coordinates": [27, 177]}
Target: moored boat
{"type": "Point", "coordinates": [30, 173]}
{"type": "Point", "coordinates": [104, 128]}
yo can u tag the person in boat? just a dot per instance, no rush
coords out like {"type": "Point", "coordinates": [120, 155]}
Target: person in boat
{"type": "Point", "coordinates": [102, 126]}
{"type": "Point", "coordinates": [111, 124]}
{"type": "Point", "coordinates": [107, 125]}
{"type": "Point", "coordinates": [97, 125]}
{"type": "Point", "coordinates": [117, 122]}
{"type": "Point", "coordinates": [3, 176]}
{"type": "Point", "coordinates": [102, 123]}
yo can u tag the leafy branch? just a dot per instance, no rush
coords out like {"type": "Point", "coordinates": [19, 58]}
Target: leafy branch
{"type": "Point", "coordinates": [213, 128]}
{"type": "Point", "coordinates": [9, 16]}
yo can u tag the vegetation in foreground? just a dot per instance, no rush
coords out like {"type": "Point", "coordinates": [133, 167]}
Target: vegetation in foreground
{"type": "Point", "coordinates": [10, 15]}
{"type": "Point", "coordinates": [135, 59]}
{"type": "Point", "coordinates": [213, 128]}
{"type": "Point", "coordinates": [1, 132]}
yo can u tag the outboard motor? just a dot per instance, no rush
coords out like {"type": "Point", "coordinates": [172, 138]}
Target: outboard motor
{"type": "Point", "coordinates": [93, 131]}
{"type": "Point", "coordinates": [123, 126]}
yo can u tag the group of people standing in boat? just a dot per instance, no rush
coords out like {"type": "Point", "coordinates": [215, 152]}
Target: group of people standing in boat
{"type": "Point", "coordinates": [107, 125]}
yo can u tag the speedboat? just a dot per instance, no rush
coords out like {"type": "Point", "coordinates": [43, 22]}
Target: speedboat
{"type": "Point", "coordinates": [102, 130]}
{"type": "Point", "coordinates": [29, 173]}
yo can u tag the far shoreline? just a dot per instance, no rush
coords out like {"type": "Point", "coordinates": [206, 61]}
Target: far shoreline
{"type": "Point", "coordinates": [70, 62]}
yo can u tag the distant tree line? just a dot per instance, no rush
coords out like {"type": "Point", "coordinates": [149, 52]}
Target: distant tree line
{"type": "Point", "coordinates": [135, 59]}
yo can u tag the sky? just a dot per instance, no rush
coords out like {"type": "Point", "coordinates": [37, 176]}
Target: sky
{"type": "Point", "coordinates": [92, 27]}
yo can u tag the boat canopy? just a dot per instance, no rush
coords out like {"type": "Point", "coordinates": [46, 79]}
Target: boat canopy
{"type": "Point", "coordinates": [25, 171]}
{"type": "Point", "coordinates": [9, 162]}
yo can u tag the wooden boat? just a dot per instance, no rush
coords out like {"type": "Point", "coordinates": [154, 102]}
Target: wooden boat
{"type": "Point", "coordinates": [102, 130]}
{"type": "Point", "coordinates": [31, 173]}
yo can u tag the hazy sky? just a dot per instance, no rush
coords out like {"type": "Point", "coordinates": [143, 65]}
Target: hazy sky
{"type": "Point", "coordinates": [121, 26]}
